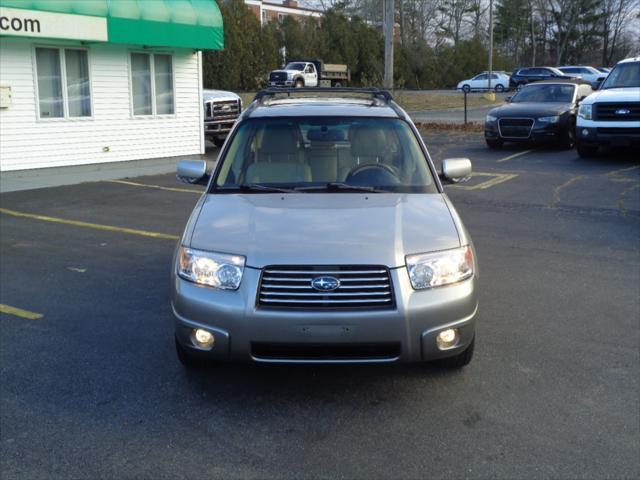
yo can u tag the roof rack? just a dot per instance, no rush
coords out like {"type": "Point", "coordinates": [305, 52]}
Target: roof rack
{"type": "Point", "coordinates": [373, 92]}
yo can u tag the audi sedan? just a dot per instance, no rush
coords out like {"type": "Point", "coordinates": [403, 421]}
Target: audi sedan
{"type": "Point", "coordinates": [325, 236]}
{"type": "Point", "coordinates": [539, 112]}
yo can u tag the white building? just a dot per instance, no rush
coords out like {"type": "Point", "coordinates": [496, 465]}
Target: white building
{"type": "Point", "coordinates": [102, 81]}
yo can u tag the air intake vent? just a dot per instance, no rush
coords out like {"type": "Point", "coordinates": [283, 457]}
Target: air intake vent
{"type": "Point", "coordinates": [326, 287]}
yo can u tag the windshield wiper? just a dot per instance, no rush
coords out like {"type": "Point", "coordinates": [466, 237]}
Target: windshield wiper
{"type": "Point", "coordinates": [258, 187]}
{"type": "Point", "coordinates": [333, 186]}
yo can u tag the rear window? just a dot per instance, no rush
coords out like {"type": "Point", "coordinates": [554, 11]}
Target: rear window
{"type": "Point", "coordinates": [305, 152]}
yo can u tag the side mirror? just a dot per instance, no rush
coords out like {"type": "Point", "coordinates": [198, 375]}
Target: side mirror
{"type": "Point", "coordinates": [456, 170]}
{"type": "Point", "coordinates": [508, 99]}
{"type": "Point", "coordinates": [192, 171]}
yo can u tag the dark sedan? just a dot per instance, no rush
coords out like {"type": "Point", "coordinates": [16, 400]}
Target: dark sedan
{"type": "Point", "coordinates": [523, 76]}
{"type": "Point", "coordinates": [540, 112]}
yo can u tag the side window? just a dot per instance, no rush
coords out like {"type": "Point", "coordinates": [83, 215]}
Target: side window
{"type": "Point", "coordinates": [482, 76]}
{"type": "Point", "coordinates": [63, 83]}
{"type": "Point", "coordinates": [152, 84]}
{"type": "Point", "coordinates": [525, 71]}
{"type": "Point", "coordinates": [309, 69]}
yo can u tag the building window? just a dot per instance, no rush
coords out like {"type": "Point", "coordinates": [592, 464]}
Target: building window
{"type": "Point", "coordinates": [152, 84]}
{"type": "Point", "coordinates": [63, 82]}
{"type": "Point", "coordinates": [281, 17]}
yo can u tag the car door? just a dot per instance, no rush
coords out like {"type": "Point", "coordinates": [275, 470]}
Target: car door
{"type": "Point", "coordinates": [479, 81]}
{"type": "Point", "coordinates": [310, 75]}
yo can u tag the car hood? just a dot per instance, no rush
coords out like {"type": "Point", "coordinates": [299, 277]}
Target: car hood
{"type": "Point", "coordinates": [629, 94]}
{"type": "Point", "coordinates": [530, 109]}
{"type": "Point", "coordinates": [324, 228]}
{"type": "Point", "coordinates": [208, 95]}
{"type": "Point", "coordinates": [286, 71]}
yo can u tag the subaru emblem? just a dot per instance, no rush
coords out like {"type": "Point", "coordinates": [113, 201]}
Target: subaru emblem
{"type": "Point", "coordinates": [623, 111]}
{"type": "Point", "coordinates": [325, 284]}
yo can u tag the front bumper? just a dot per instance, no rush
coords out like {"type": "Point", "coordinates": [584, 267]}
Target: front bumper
{"type": "Point", "coordinates": [218, 128]}
{"type": "Point", "coordinates": [540, 133]}
{"type": "Point", "coordinates": [239, 325]}
{"type": "Point", "coordinates": [286, 83]}
{"type": "Point", "coordinates": [626, 136]}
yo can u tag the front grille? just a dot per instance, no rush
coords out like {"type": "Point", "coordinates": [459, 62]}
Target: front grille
{"type": "Point", "coordinates": [278, 77]}
{"type": "Point", "coordinates": [225, 110]}
{"type": "Point", "coordinates": [360, 287]}
{"type": "Point", "coordinates": [617, 112]}
{"type": "Point", "coordinates": [619, 131]}
{"type": "Point", "coordinates": [325, 351]}
{"type": "Point", "coordinates": [515, 127]}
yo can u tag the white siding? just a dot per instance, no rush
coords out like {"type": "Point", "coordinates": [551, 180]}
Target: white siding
{"type": "Point", "coordinates": [27, 142]}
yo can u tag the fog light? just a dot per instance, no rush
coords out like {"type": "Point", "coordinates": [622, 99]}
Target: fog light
{"type": "Point", "coordinates": [585, 132]}
{"type": "Point", "coordinates": [447, 338]}
{"type": "Point", "coordinates": [202, 338]}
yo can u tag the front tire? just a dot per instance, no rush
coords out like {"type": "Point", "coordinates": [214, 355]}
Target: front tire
{"type": "Point", "coordinates": [494, 144]}
{"type": "Point", "coordinates": [569, 139]}
{"type": "Point", "coordinates": [458, 361]}
{"type": "Point", "coordinates": [299, 83]}
{"type": "Point", "coordinates": [586, 151]}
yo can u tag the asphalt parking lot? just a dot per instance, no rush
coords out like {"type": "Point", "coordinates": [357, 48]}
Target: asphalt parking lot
{"type": "Point", "coordinates": [91, 388]}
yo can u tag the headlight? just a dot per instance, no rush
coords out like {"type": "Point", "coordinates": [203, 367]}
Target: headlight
{"type": "Point", "coordinates": [491, 118]}
{"type": "Point", "coordinates": [585, 111]}
{"type": "Point", "coordinates": [428, 270]}
{"type": "Point", "coordinates": [217, 270]}
{"type": "Point", "coordinates": [289, 76]}
{"type": "Point", "coordinates": [549, 119]}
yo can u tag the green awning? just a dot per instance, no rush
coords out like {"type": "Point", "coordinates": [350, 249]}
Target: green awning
{"type": "Point", "coordinates": [193, 24]}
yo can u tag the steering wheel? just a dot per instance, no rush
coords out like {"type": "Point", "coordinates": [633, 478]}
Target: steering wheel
{"type": "Point", "coordinates": [386, 173]}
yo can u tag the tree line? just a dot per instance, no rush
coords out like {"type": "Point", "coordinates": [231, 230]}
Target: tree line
{"type": "Point", "coordinates": [438, 42]}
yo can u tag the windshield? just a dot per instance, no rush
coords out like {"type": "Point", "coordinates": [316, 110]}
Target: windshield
{"type": "Point", "coordinates": [547, 93]}
{"type": "Point", "coordinates": [325, 153]}
{"type": "Point", "coordinates": [294, 66]}
{"type": "Point", "coordinates": [555, 70]}
{"type": "Point", "coordinates": [623, 75]}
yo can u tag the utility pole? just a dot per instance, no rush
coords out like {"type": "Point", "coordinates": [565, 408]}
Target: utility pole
{"type": "Point", "coordinates": [490, 42]}
{"type": "Point", "coordinates": [388, 44]}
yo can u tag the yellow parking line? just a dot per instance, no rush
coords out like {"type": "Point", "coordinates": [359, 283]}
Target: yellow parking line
{"type": "Point", "coordinates": [18, 312]}
{"type": "Point", "coordinates": [515, 155]}
{"type": "Point", "coordinates": [158, 187]}
{"type": "Point", "coordinates": [497, 179]}
{"type": "Point", "coordinates": [95, 226]}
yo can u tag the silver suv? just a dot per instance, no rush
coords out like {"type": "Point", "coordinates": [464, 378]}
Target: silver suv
{"type": "Point", "coordinates": [325, 236]}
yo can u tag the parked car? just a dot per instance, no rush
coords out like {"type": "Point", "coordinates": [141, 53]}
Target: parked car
{"type": "Point", "coordinates": [499, 82]}
{"type": "Point", "coordinates": [604, 69]}
{"type": "Point", "coordinates": [540, 112]}
{"type": "Point", "coordinates": [611, 116]}
{"type": "Point", "coordinates": [221, 110]}
{"type": "Point", "coordinates": [522, 76]}
{"type": "Point", "coordinates": [310, 73]}
{"type": "Point", "coordinates": [586, 73]}
{"type": "Point", "coordinates": [284, 259]}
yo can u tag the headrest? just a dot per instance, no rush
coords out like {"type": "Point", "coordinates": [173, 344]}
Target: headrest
{"type": "Point", "coordinates": [279, 139]}
{"type": "Point", "coordinates": [367, 141]}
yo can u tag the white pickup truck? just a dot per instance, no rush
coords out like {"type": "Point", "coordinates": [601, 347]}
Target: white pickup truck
{"type": "Point", "coordinates": [611, 115]}
{"type": "Point", "coordinates": [310, 73]}
{"type": "Point", "coordinates": [221, 109]}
